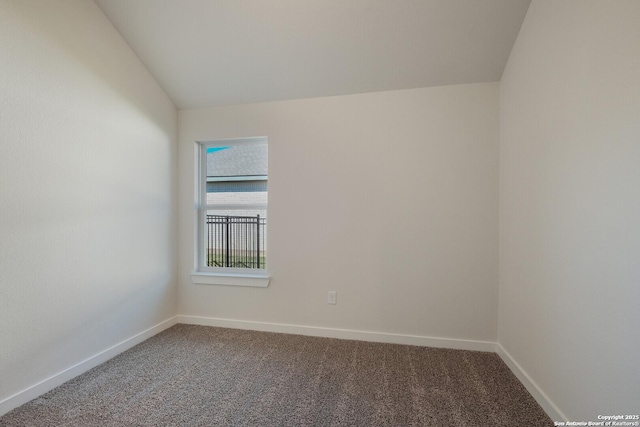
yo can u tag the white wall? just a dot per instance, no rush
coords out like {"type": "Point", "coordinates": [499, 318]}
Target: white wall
{"type": "Point", "coordinates": [87, 191]}
{"type": "Point", "coordinates": [388, 198]}
{"type": "Point", "coordinates": [570, 205]}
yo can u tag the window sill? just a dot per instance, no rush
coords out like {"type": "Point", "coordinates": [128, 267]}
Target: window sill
{"type": "Point", "coordinates": [231, 279]}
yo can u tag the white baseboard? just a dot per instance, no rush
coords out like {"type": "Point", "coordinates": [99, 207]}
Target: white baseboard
{"type": "Point", "coordinates": [54, 381]}
{"type": "Point", "coordinates": [543, 400]}
{"type": "Point", "coordinates": [348, 334]}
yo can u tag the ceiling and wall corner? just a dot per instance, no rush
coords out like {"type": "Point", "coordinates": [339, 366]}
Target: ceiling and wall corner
{"type": "Point", "coordinates": [210, 53]}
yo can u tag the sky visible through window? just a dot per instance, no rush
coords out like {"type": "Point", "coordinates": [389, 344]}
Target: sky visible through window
{"type": "Point", "coordinates": [214, 149]}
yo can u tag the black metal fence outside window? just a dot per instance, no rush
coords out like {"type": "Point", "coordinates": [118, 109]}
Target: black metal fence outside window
{"type": "Point", "coordinates": [236, 241]}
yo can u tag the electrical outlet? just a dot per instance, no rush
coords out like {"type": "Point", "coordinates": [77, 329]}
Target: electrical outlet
{"type": "Point", "coordinates": [331, 299]}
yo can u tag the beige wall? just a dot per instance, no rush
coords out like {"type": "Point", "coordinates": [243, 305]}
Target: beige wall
{"type": "Point", "coordinates": [388, 198]}
{"type": "Point", "coordinates": [570, 205]}
{"type": "Point", "coordinates": [87, 187]}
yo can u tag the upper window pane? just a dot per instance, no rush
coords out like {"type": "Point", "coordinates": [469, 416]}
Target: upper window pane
{"type": "Point", "coordinates": [237, 161]}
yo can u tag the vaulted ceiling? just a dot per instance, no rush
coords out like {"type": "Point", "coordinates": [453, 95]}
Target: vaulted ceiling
{"type": "Point", "coordinates": [221, 52]}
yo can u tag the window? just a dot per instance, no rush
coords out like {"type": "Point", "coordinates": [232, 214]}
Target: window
{"type": "Point", "coordinates": [232, 211]}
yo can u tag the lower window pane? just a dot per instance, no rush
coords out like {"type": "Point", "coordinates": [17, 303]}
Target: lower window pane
{"type": "Point", "coordinates": [236, 238]}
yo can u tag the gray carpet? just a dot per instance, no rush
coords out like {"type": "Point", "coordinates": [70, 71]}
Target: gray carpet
{"type": "Point", "coordinates": [203, 376]}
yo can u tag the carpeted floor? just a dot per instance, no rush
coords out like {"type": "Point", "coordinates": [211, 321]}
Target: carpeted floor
{"type": "Point", "coordinates": [203, 376]}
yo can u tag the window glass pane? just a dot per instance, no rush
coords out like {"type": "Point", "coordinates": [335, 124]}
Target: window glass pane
{"type": "Point", "coordinates": [236, 238]}
{"type": "Point", "coordinates": [237, 161]}
{"type": "Point", "coordinates": [234, 229]}
{"type": "Point", "coordinates": [237, 198]}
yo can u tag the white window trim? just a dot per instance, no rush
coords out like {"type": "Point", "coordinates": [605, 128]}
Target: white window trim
{"type": "Point", "coordinates": [231, 279]}
{"type": "Point", "coordinates": [218, 275]}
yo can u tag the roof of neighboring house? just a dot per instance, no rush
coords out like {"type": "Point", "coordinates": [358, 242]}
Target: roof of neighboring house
{"type": "Point", "coordinates": [237, 160]}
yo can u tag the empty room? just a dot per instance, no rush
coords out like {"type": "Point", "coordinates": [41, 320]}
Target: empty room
{"type": "Point", "coordinates": [319, 212]}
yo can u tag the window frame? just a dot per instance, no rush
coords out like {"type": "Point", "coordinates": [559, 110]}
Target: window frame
{"type": "Point", "coordinates": [204, 274]}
